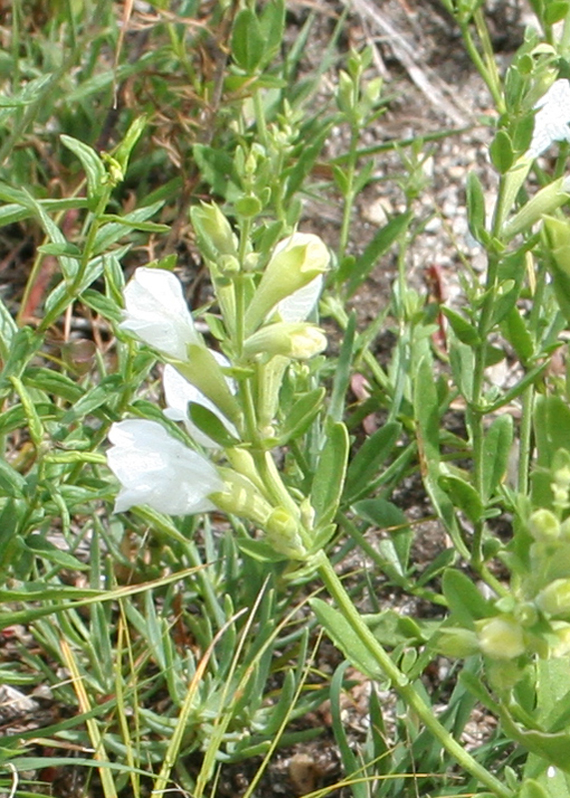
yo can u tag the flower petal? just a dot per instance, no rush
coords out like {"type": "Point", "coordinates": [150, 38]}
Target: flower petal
{"type": "Point", "coordinates": [298, 305]}
{"type": "Point", "coordinates": [156, 311]}
{"type": "Point", "coordinates": [156, 469]}
{"type": "Point", "coordinates": [552, 119]}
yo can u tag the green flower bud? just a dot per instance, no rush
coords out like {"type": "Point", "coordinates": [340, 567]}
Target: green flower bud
{"type": "Point", "coordinates": [558, 232]}
{"type": "Point", "coordinates": [282, 531]}
{"type": "Point", "coordinates": [241, 497]}
{"type": "Point", "coordinates": [501, 637]}
{"type": "Point", "coordinates": [545, 201]}
{"type": "Point", "coordinates": [295, 262]}
{"type": "Point", "coordinates": [544, 526]}
{"type": "Point", "coordinates": [251, 262]}
{"type": "Point", "coordinates": [554, 599]}
{"type": "Point", "coordinates": [562, 477]}
{"type": "Point", "coordinates": [228, 265]}
{"type": "Point", "coordinates": [213, 230]}
{"type": "Point", "coordinates": [298, 341]}
{"type": "Point", "coordinates": [242, 461]}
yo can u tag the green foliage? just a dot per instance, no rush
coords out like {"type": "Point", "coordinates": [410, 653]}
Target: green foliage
{"type": "Point", "coordinates": [186, 640]}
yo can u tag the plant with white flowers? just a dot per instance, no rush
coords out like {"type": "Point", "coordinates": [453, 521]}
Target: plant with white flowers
{"type": "Point", "coordinates": [227, 401]}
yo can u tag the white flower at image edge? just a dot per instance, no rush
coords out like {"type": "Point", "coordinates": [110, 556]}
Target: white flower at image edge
{"type": "Point", "coordinates": [157, 313]}
{"type": "Point", "coordinates": [552, 119]}
{"type": "Point", "coordinates": [179, 393]}
{"type": "Point", "coordinates": [156, 469]}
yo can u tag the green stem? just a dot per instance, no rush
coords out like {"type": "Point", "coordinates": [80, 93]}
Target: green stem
{"type": "Point", "coordinates": [489, 75]}
{"type": "Point", "coordinates": [349, 193]}
{"type": "Point", "coordinates": [525, 435]}
{"type": "Point", "coordinates": [493, 81]}
{"type": "Point", "coordinates": [401, 683]}
{"type": "Point", "coordinates": [564, 43]}
{"type": "Point", "coordinates": [260, 118]}
{"type": "Point", "coordinates": [476, 412]}
{"type": "Point", "coordinates": [75, 286]}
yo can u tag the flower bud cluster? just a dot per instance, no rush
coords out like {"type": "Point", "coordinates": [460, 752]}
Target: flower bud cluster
{"type": "Point", "coordinates": [535, 619]}
{"type": "Point", "coordinates": [207, 391]}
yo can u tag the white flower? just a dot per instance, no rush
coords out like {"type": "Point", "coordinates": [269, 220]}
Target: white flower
{"type": "Point", "coordinates": [156, 469]}
{"type": "Point", "coordinates": [553, 117]}
{"type": "Point", "coordinates": [157, 313]}
{"type": "Point", "coordinates": [178, 393]}
{"type": "Point", "coordinates": [299, 341]}
{"type": "Point", "coordinates": [298, 305]}
{"type": "Point", "coordinates": [295, 262]}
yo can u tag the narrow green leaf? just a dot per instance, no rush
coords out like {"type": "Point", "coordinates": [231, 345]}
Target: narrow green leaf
{"type": "Point", "coordinates": [95, 171]}
{"type": "Point", "coordinates": [52, 382]}
{"type": "Point", "coordinates": [301, 415]}
{"type": "Point", "coordinates": [209, 423]}
{"type": "Point", "coordinates": [68, 249]}
{"type": "Point", "coordinates": [465, 601]}
{"type": "Point", "coordinates": [345, 638]}
{"type": "Point", "coordinates": [111, 232]}
{"type": "Point", "coordinates": [379, 245]}
{"type": "Point", "coordinates": [462, 362]}
{"type": "Point", "coordinates": [102, 305]}
{"type": "Point", "coordinates": [475, 206]}
{"type": "Point", "coordinates": [364, 466]}
{"type": "Point", "coordinates": [386, 516]}
{"type": "Point", "coordinates": [329, 476]}
{"type": "Point", "coordinates": [98, 396]}
{"type": "Point", "coordinates": [134, 224]}
{"type": "Point", "coordinates": [41, 547]}
{"type": "Point", "coordinates": [496, 452]}
{"type": "Point", "coordinates": [350, 763]}
{"type": "Point", "coordinates": [8, 329]}
{"type": "Point", "coordinates": [11, 482]}
{"type": "Point", "coordinates": [247, 41]}
{"type": "Point", "coordinates": [217, 169]}
{"type": "Point", "coordinates": [532, 789]}
{"type": "Point", "coordinates": [551, 428]}
{"type": "Point", "coordinates": [125, 148]}
{"type": "Point", "coordinates": [24, 345]}
{"type": "Point", "coordinates": [428, 423]}
{"type": "Point", "coordinates": [555, 11]}
{"type": "Point", "coordinates": [271, 25]}
{"type": "Point", "coordinates": [463, 495]}
{"type": "Point", "coordinates": [343, 371]}
{"type": "Point", "coordinates": [462, 328]}
{"type": "Point", "coordinates": [517, 334]}
{"type": "Point", "coordinates": [35, 426]}
{"type": "Point", "coordinates": [501, 151]}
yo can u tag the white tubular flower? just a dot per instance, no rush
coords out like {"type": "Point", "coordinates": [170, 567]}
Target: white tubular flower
{"type": "Point", "coordinates": [156, 469]}
{"type": "Point", "coordinates": [157, 313]}
{"type": "Point", "coordinates": [298, 341]}
{"type": "Point", "coordinates": [179, 393]}
{"type": "Point", "coordinates": [553, 117]}
{"type": "Point", "coordinates": [296, 261]}
{"type": "Point", "coordinates": [298, 305]}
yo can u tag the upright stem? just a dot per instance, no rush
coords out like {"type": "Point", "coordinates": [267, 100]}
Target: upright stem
{"type": "Point", "coordinates": [401, 683]}
{"type": "Point", "coordinates": [349, 193]}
